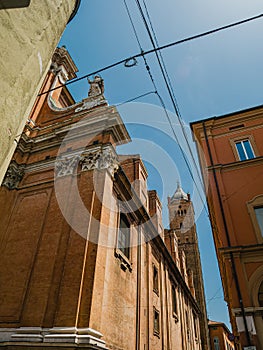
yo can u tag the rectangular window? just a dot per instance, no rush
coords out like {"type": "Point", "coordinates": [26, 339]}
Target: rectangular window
{"type": "Point", "coordinates": [155, 279]}
{"type": "Point", "coordinates": [124, 236]}
{"type": "Point", "coordinates": [156, 322]}
{"type": "Point", "coordinates": [187, 325]}
{"type": "Point", "coordinates": [174, 301]}
{"type": "Point", "coordinates": [244, 150]}
{"type": "Point", "coordinates": [259, 216]}
{"type": "Point", "coordinates": [195, 327]}
{"type": "Point", "coordinates": [216, 343]}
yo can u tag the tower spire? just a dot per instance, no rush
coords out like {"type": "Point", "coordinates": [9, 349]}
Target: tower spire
{"type": "Point", "coordinates": [179, 193]}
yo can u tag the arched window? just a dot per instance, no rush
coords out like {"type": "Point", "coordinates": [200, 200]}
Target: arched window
{"type": "Point", "coordinates": [216, 343]}
{"type": "Point", "coordinates": [260, 295]}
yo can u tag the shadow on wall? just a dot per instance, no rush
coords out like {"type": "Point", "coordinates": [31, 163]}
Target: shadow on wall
{"type": "Point", "coordinates": [12, 4]}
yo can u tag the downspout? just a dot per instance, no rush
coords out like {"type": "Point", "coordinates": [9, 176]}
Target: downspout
{"type": "Point", "coordinates": [161, 302]}
{"type": "Point", "coordinates": [168, 325]}
{"type": "Point", "coordinates": [138, 294]}
{"type": "Point", "coordinates": [148, 297]}
{"type": "Point", "coordinates": [181, 318]}
{"type": "Point", "coordinates": [227, 236]}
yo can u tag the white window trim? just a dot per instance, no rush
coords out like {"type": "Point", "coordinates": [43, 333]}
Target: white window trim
{"type": "Point", "coordinates": [249, 138]}
{"type": "Point", "coordinates": [244, 148]}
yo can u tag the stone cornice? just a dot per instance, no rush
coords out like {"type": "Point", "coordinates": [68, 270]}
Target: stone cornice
{"type": "Point", "coordinates": [238, 164]}
{"type": "Point", "coordinates": [255, 250]}
{"type": "Point", "coordinates": [52, 136]}
{"type": "Point", "coordinates": [231, 118]}
{"type": "Point", "coordinates": [101, 157]}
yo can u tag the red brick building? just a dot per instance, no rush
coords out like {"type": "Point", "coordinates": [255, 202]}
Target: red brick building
{"type": "Point", "coordinates": [83, 261]}
{"type": "Point", "coordinates": [220, 336]}
{"type": "Point", "coordinates": [231, 156]}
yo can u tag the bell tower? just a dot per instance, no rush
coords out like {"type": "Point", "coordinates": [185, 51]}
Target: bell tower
{"type": "Point", "coordinates": [182, 223]}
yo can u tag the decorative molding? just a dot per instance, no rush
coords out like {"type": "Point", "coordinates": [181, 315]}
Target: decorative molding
{"type": "Point", "coordinates": [13, 176]}
{"type": "Point", "coordinates": [28, 334]}
{"type": "Point", "coordinates": [75, 335]}
{"type": "Point", "coordinates": [89, 103]}
{"type": "Point", "coordinates": [102, 158]}
{"type": "Point", "coordinates": [58, 335]}
{"type": "Point", "coordinates": [61, 58]}
{"type": "Point", "coordinates": [66, 166]}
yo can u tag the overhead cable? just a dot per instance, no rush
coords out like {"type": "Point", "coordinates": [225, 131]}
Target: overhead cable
{"type": "Point", "coordinates": [159, 96]}
{"type": "Point", "coordinates": [174, 43]}
{"type": "Point", "coordinates": [168, 84]}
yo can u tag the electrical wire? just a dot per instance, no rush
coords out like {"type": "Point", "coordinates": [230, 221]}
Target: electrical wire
{"type": "Point", "coordinates": [139, 44]}
{"type": "Point", "coordinates": [215, 295]}
{"type": "Point", "coordinates": [178, 42]}
{"type": "Point", "coordinates": [173, 100]}
{"type": "Point", "coordinates": [158, 95]}
{"type": "Point", "coordinates": [135, 98]}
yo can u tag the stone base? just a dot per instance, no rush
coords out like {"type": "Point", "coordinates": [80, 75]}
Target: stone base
{"type": "Point", "coordinates": [28, 334]}
{"type": "Point", "coordinates": [57, 337]}
{"type": "Point", "coordinates": [75, 335]}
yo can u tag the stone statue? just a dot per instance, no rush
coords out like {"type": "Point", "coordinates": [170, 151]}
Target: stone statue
{"type": "Point", "coordinates": [96, 86]}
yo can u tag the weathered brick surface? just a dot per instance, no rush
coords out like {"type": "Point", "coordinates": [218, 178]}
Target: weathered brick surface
{"type": "Point", "coordinates": [60, 263]}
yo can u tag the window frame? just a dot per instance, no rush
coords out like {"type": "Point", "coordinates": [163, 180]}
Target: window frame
{"type": "Point", "coordinates": [256, 202]}
{"type": "Point", "coordinates": [217, 343]}
{"type": "Point", "coordinates": [243, 138]}
{"type": "Point", "coordinates": [196, 324]}
{"type": "Point", "coordinates": [174, 302]}
{"type": "Point", "coordinates": [125, 258]}
{"type": "Point", "coordinates": [245, 150]}
{"type": "Point", "coordinates": [125, 249]}
{"type": "Point", "coordinates": [155, 279]}
{"type": "Point", "coordinates": [156, 327]}
{"type": "Point", "coordinates": [260, 225]}
{"type": "Point", "coordinates": [260, 293]}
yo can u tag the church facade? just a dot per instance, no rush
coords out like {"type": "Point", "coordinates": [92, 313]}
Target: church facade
{"type": "Point", "coordinates": [83, 260]}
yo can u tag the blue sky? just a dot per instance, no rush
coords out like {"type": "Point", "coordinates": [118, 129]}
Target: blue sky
{"type": "Point", "coordinates": [211, 76]}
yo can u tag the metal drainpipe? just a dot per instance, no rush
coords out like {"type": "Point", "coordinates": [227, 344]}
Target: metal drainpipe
{"type": "Point", "coordinates": [148, 297]}
{"type": "Point", "coordinates": [138, 294]}
{"type": "Point", "coordinates": [228, 237]}
{"type": "Point", "coordinates": [167, 308]}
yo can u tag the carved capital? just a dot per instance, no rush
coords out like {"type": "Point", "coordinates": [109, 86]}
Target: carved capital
{"type": "Point", "coordinates": [13, 175]}
{"type": "Point", "coordinates": [102, 158]}
{"type": "Point", "coordinates": [66, 166]}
